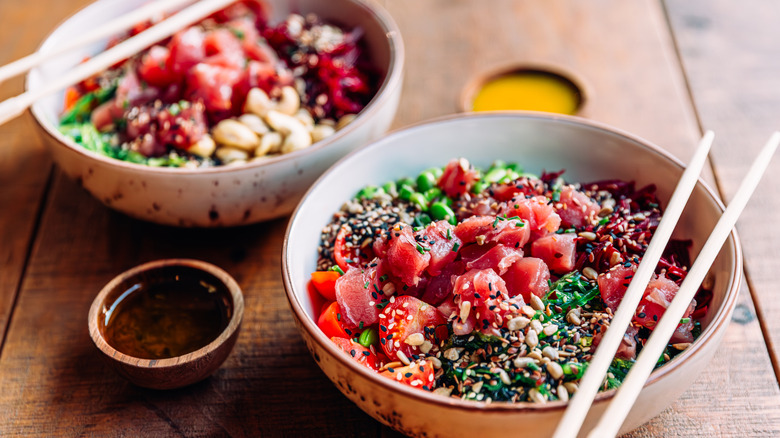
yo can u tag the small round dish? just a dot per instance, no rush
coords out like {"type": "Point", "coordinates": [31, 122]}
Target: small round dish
{"type": "Point", "coordinates": [562, 75]}
{"type": "Point", "coordinates": [181, 370]}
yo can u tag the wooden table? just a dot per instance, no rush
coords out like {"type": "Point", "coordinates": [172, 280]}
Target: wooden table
{"type": "Point", "coordinates": [663, 71]}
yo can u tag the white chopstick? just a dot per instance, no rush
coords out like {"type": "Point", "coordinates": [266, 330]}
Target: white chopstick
{"type": "Point", "coordinates": [15, 106]}
{"type": "Point", "coordinates": [119, 24]}
{"type": "Point", "coordinates": [579, 405]}
{"type": "Point", "coordinates": [624, 399]}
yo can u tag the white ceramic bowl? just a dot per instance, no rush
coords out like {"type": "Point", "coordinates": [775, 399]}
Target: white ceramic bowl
{"type": "Point", "coordinates": [588, 151]}
{"type": "Point", "coordinates": [222, 196]}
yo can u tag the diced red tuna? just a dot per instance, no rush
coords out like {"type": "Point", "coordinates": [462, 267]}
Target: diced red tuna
{"type": "Point", "coordinates": [458, 178]}
{"type": "Point", "coordinates": [523, 186]}
{"type": "Point", "coordinates": [613, 284]}
{"type": "Point", "coordinates": [498, 258]}
{"type": "Point", "coordinates": [186, 50]}
{"type": "Point", "coordinates": [528, 276]}
{"type": "Point", "coordinates": [355, 293]}
{"type": "Point", "coordinates": [438, 288]}
{"type": "Point", "coordinates": [656, 298]}
{"type": "Point", "coordinates": [575, 208]}
{"type": "Point", "coordinates": [559, 251]}
{"type": "Point", "coordinates": [440, 238]}
{"type": "Point", "coordinates": [404, 258]}
{"type": "Point", "coordinates": [449, 309]}
{"type": "Point", "coordinates": [537, 211]}
{"type": "Point", "coordinates": [482, 229]}
{"type": "Point", "coordinates": [482, 293]}
{"type": "Point", "coordinates": [627, 347]}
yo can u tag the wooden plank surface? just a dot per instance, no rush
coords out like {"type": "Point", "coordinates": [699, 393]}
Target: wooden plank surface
{"type": "Point", "coordinates": [24, 163]}
{"type": "Point", "coordinates": [55, 383]}
{"type": "Point", "coordinates": [732, 56]}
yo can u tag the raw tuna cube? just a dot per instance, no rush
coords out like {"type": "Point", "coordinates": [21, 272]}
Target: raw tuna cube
{"type": "Point", "coordinates": [406, 258]}
{"type": "Point", "coordinates": [440, 238]}
{"type": "Point", "coordinates": [575, 208]}
{"type": "Point", "coordinates": [356, 290]}
{"type": "Point", "coordinates": [559, 251]}
{"type": "Point", "coordinates": [498, 258]}
{"type": "Point", "coordinates": [528, 276]}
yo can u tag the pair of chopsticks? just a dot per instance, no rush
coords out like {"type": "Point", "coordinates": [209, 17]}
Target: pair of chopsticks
{"type": "Point", "coordinates": [621, 404]}
{"type": "Point", "coordinates": [15, 106]}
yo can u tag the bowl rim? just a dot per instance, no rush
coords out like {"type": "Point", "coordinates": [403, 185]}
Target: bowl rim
{"type": "Point", "coordinates": [207, 350]}
{"type": "Point", "coordinates": [393, 79]}
{"type": "Point", "coordinates": [720, 319]}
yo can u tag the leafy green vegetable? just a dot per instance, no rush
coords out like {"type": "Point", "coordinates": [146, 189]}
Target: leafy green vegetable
{"type": "Point", "coordinates": [570, 291]}
{"type": "Point", "coordinates": [83, 107]}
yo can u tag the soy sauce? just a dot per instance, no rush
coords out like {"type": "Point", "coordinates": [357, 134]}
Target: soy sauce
{"type": "Point", "coordinates": [169, 318]}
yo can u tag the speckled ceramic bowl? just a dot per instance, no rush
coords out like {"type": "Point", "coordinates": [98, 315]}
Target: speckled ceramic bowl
{"type": "Point", "coordinates": [588, 151]}
{"type": "Point", "coordinates": [222, 196]}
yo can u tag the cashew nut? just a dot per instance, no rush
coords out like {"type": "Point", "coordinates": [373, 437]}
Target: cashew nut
{"type": "Point", "coordinates": [203, 147]}
{"type": "Point", "coordinates": [255, 123]}
{"type": "Point", "coordinates": [345, 120]}
{"type": "Point", "coordinates": [305, 117]}
{"type": "Point", "coordinates": [289, 102]}
{"type": "Point", "coordinates": [270, 143]}
{"type": "Point", "coordinates": [258, 102]}
{"type": "Point", "coordinates": [296, 135]}
{"type": "Point", "coordinates": [235, 134]}
{"type": "Point", "coordinates": [229, 155]}
{"type": "Point", "coordinates": [295, 141]}
{"type": "Point", "coordinates": [320, 132]}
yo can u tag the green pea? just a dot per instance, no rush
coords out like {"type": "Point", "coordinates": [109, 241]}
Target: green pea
{"type": "Point", "coordinates": [432, 194]}
{"type": "Point", "coordinates": [437, 172]}
{"type": "Point", "coordinates": [498, 164]}
{"type": "Point", "coordinates": [441, 212]}
{"type": "Point", "coordinates": [368, 337]}
{"type": "Point", "coordinates": [419, 199]}
{"type": "Point", "coordinates": [405, 182]}
{"type": "Point", "coordinates": [390, 188]}
{"type": "Point", "coordinates": [426, 181]}
{"type": "Point", "coordinates": [515, 168]}
{"type": "Point", "coordinates": [495, 175]}
{"type": "Point", "coordinates": [406, 192]}
{"type": "Point", "coordinates": [480, 186]}
{"type": "Point", "coordinates": [511, 175]}
{"type": "Point", "coordinates": [366, 192]}
{"type": "Point", "coordinates": [422, 220]}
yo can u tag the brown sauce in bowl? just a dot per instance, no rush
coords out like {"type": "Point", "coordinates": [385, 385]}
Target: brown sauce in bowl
{"type": "Point", "coordinates": [166, 319]}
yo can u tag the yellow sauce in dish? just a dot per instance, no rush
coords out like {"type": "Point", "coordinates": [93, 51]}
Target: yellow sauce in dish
{"type": "Point", "coordinates": [528, 91]}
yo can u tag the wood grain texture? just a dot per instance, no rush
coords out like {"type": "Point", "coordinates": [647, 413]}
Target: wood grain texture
{"type": "Point", "coordinates": [55, 382]}
{"type": "Point", "coordinates": [24, 162]}
{"type": "Point", "coordinates": [731, 55]}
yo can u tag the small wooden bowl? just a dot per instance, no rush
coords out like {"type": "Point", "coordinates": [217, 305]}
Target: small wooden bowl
{"type": "Point", "coordinates": [576, 81]}
{"type": "Point", "coordinates": [177, 371]}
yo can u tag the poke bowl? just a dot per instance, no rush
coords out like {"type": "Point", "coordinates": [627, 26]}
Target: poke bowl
{"type": "Point", "coordinates": [230, 120]}
{"type": "Point", "coordinates": [517, 363]}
